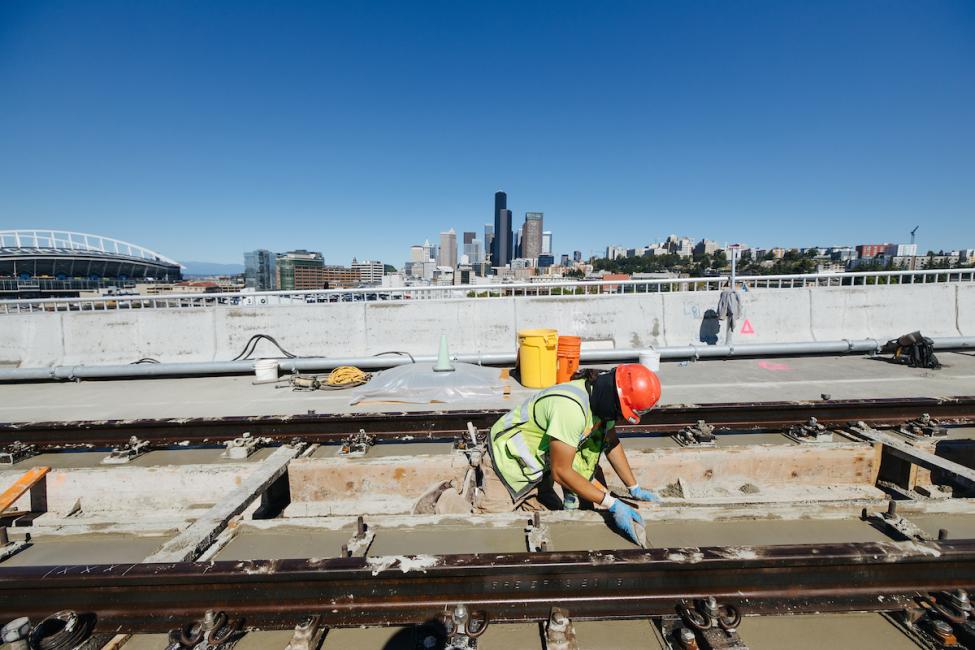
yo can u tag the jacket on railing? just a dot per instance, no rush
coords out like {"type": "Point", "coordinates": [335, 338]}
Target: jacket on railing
{"type": "Point", "coordinates": [729, 306]}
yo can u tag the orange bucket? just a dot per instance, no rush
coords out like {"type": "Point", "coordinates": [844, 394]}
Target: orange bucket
{"type": "Point", "coordinates": [567, 358]}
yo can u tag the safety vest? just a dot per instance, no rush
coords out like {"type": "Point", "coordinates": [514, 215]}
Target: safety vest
{"type": "Point", "coordinates": [520, 447]}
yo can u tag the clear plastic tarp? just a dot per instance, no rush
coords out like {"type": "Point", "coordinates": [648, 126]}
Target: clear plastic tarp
{"type": "Point", "coordinates": [418, 383]}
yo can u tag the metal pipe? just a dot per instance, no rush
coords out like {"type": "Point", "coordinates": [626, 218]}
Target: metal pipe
{"type": "Point", "coordinates": [313, 364]}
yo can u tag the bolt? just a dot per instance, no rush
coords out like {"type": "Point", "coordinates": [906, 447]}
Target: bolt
{"type": "Point", "coordinates": [4, 538]}
{"type": "Point", "coordinates": [360, 526]}
{"type": "Point", "coordinates": [711, 605]}
{"type": "Point", "coordinates": [687, 639]}
{"type": "Point", "coordinates": [961, 595]}
{"type": "Point", "coordinates": [826, 396]}
{"type": "Point", "coordinates": [891, 507]}
{"type": "Point", "coordinates": [942, 534]}
{"type": "Point", "coordinates": [942, 630]}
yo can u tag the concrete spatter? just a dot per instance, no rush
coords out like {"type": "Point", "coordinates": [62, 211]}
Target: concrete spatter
{"type": "Point", "coordinates": [405, 563]}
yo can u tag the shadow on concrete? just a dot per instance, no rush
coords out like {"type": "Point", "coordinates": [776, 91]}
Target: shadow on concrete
{"type": "Point", "coordinates": [710, 326]}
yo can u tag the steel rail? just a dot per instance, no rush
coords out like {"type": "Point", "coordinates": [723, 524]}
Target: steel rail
{"type": "Point", "coordinates": [445, 425]}
{"type": "Point", "coordinates": [876, 576]}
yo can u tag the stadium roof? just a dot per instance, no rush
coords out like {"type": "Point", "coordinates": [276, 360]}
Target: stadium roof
{"type": "Point", "coordinates": [32, 242]}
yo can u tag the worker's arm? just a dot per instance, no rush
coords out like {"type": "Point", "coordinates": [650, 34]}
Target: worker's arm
{"type": "Point", "coordinates": [626, 518]}
{"type": "Point", "coordinates": [621, 465]}
{"type": "Point", "coordinates": [561, 456]}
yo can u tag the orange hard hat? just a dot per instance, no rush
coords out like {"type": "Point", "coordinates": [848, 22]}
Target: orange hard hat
{"type": "Point", "coordinates": [638, 388]}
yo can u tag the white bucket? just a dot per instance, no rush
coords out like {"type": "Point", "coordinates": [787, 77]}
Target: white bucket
{"type": "Point", "coordinates": [266, 370]}
{"type": "Point", "coordinates": [650, 359]}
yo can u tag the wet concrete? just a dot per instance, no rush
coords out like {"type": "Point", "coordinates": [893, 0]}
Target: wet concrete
{"type": "Point", "coordinates": [85, 549]}
{"type": "Point", "coordinates": [958, 526]}
{"type": "Point", "coordinates": [373, 638]}
{"type": "Point", "coordinates": [754, 533]}
{"type": "Point", "coordinates": [612, 635]}
{"type": "Point", "coordinates": [585, 536]}
{"type": "Point", "coordinates": [385, 450]}
{"type": "Point", "coordinates": [285, 542]}
{"type": "Point", "coordinates": [447, 538]}
{"type": "Point", "coordinates": [733, 439]}
{"type": "Point", "coordinates": [148, 642]}
{"type": "Point", "coordinates": [160, 457]}
{"type": "Point", "coordinates": [270, 640]}
{"type": "Point", "coordinates": [860, 631]}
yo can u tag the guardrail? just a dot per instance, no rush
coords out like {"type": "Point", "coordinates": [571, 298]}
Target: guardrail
{"type": "Point", "coordinates": [574, 288]}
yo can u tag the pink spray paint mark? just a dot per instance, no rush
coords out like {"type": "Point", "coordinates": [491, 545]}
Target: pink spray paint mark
{"type": "Point", "coordinates": [774, 366]}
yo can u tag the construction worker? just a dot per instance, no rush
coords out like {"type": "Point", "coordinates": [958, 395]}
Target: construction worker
{"type": "Point", "coordinates": [558, 435]}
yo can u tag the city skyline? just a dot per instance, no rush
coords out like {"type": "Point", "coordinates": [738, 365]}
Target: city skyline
{"type": "Point", "coordinates": [162, 124]}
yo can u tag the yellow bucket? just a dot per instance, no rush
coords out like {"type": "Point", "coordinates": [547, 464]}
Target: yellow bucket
{"type": "Point", "coordinates": [538, 357]}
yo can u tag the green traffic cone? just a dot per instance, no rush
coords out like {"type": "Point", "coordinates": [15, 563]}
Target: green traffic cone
{"type": "Point", "coordinates": [443, 357]}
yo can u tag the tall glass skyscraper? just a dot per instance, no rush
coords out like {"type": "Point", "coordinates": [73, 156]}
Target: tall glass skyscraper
{"type": "Point", "coordinates": [259, 271]}
{"type": "Point", "coordinates": [501, 251]}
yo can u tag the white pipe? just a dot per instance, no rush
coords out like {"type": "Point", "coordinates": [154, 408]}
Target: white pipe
{"type": "Point", "coordinates": [312, 364]}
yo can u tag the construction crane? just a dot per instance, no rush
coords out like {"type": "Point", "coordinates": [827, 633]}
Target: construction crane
{"type": "Point", "coordinates": [912, 233]}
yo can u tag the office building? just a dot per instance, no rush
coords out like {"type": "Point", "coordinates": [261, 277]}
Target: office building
{"type": "Point", "coordinates": [531, 235]}
{"type": "Point", "coordinates": [545, 261]}
{"type": "Point", "coordinates": [489, 239]}
{"type": "Point", "coordinates": [866, 251]}
{"type": "Point", "coordinates": [502, 250]}
{"type": "Point", "coordinates": [565, 259]}
{"type": "Point", "coordinates": [370, 272]}
{"type": "Point", "coordinates": [340, 277]}
{"type": "Point", "coordinates": [259, 270]}
{"type": "Point", "coordinates": [447, 256]}
{"type": "Point", "coordinates": [577, 256]}
{"type": "Point", "coordinates": [547, 243]}
{"type": "Point", "coordinates": [300, 270]}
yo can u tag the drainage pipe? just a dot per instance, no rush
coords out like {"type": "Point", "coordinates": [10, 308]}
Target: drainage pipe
{"type": "Point", "coordinates": [314, 364]}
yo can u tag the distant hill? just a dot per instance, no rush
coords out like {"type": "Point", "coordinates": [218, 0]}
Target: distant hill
{"type": "Point", "coordinates": [211, 268]}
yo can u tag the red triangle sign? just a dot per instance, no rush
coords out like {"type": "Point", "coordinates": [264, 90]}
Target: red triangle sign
{"type": "Point", "coordinates": [747, 328]}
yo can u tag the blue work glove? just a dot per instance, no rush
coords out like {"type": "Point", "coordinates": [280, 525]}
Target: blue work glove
{"type": "Point", "coordinates": [641, 494]}
{"type": "Point", "coordinates": [570, 501]}
{"type": "Point", "coordinates": [625, 517]}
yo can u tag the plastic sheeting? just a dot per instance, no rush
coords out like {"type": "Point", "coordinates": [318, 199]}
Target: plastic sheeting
{"type": "Point", "coordinates": [417, 383]}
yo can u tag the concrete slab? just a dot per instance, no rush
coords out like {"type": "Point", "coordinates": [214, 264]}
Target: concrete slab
{"type": "Point", "coordinates": [76, 459]}
{"type": "Point", "coordinates": [958, 526]}
{"type": "Point", "coordinates": [611, 635]}
{"type": "Point", "coordinates": [268, 640]}
{"type": "Point", "coordinates": [708, 381]}
{"type": "Point", "coordinates": [506, 637]}
{"type": "Point", "coordinates": [755, 533]}
{"type": "Point", "coordinates": [448, 538]}
{"type": "Point", "coordinates": [148, 642]}
{"type": "Point", "coordinates": [374, 638]}
{"type": "Point", "coordinates": [386, 450]}
{"type": "Point", "coordinates": [85, 549]}
{"type": "Point", "coordinates": [284, 542]}
{"type": "Point", "coordinates": [585, 536]}
{"type": "Point", "coordinates": [860, 631]}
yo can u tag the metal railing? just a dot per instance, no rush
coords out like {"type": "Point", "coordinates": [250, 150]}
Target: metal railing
{"type": "Point", "coordinates": [573, 288]}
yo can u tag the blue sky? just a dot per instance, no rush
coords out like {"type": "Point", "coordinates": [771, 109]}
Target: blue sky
{"type": "Point", "coordinates": [203, 129]}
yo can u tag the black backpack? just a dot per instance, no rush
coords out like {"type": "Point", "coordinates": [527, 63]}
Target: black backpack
{"type": "Point", "coordinates": [914, 350]}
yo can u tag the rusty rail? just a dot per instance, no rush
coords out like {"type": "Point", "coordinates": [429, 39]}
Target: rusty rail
{"type": "Point", "coordinates": [325, 428]}
{"type": "Point", "coordinates": [876, 576]}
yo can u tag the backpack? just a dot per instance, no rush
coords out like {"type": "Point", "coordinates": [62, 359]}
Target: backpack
{"type": "Point", "coordinates": [914, 350]}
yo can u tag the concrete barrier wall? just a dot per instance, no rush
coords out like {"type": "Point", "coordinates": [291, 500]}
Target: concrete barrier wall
{"type": "Point", "coordinates": [483, 325]}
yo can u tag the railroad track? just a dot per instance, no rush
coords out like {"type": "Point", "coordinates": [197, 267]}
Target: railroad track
{"type": "Point", "coordinates": [325, 428]}
{"type": "Point", "coordinates": [278, 594]}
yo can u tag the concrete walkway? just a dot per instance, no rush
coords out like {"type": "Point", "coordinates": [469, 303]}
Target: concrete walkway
{"type": "Point", "coordinates": [736, 380]}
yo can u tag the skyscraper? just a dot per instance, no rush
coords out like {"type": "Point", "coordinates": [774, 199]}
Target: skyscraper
{"type": "Point", "coordinates": [259, 270]}
{"type": "Point", "coordinates": [502, 249]}
{"type": "Point", "coordinates": [547, 242]}
{"type": "Point", "coordinates": [531, 235]}
{"type": "Point", "coordinates": [447, 255]}
{"type": "Point", "coordinates": [489, 239]}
